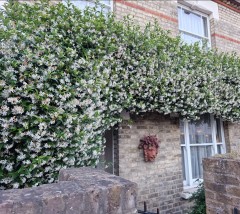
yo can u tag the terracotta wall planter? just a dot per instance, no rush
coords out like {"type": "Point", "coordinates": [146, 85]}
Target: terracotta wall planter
{"type": "Point", "coordinates": [149, 144]}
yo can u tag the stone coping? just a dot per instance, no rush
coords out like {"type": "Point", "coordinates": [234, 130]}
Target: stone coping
{"type": "Point", "coordinates": [232, 155]}
{"type": "Point", "coordinates": [82, 190]}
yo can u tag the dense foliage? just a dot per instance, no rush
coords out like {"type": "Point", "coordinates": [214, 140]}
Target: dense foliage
{"type": "Point", "coordinates": [198, 198]}
{"type": "Point", "coordinates": [66, 75]}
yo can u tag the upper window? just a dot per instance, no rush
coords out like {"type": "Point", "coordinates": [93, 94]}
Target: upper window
{"type": "Point", "coordinates": [194, 27]}
{"type": "Point", "coordinates": [199, 139]}
{"type": "Point", "coordinates": [81, 4]}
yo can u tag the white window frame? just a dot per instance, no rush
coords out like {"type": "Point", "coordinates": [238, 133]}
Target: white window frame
{"type": "Point", "coordinates": [190, 182]}
{"type": "Point", "coordinates": [208, 38]}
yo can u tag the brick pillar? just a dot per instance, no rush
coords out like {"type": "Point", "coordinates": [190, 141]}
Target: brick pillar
{"type": "Point", "coordinates": [222, 184]}
{"type": "Point", "coordinates": [232, 136]}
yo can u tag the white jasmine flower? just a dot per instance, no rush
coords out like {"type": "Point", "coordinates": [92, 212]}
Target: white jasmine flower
{"type": "Point", "coordinates": [2, 83]}
{"type": "Point", "coordinates": [23, 179]}
{"type": "Point", "coordinates": [9, 167]}
{"type": "Point", "coordinates": [46, 101]}
{"type": "Point", "coordinates": [15, 185]}
{"type": "Point", "coordinates": [13, 100]}
{"type": "Point", "coordinates": [4, 110]}
{"type": "Point", "coordinates": [17, 110]}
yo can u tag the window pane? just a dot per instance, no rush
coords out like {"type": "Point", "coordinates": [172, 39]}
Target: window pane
{"type": "Point", "coordinates": [205, 26]}
{"type": "Point", "coordinates": [183, 162]}
{"type": "Point", "coordinates": [105, 10]}
{"type": "Point", "coordinates": [200, 131]}
{"type": "Point", "coordinates": [82, 4]}
{"type": "Point", "coordinates": [197, 154]}
{"type": "Point", "coordinates": [218, 131]}
{"type": "Point", "coordinates": [106, 2]}
{"type": "Point", "coordinates": [182, 138]}
{"type": "Point", "coordinates": [2, 3]}
{"type": "Point", "coordinates": [191, 22]}
{"type": "Point", "coordinates": [219, 149]}
{"type": "Point", "coordinates": [190, 39]}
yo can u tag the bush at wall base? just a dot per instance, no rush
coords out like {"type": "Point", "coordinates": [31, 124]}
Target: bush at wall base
{"type": "Point", "coordinates": [198, 198]}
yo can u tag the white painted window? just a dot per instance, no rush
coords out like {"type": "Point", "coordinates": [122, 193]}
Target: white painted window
{"type": "Point", "coordinates": [193, 26]}
{"type": "Point", "coordinates": [81, 4]}
{"type": "Point", "coordinates": [199, 139]}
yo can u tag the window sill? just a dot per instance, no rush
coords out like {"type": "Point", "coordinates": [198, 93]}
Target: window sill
{"type": "Point", "coordinates": [187, 192]}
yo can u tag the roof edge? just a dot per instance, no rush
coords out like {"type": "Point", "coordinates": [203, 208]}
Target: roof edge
{"type": "Point", "coordinates": [231, 4]}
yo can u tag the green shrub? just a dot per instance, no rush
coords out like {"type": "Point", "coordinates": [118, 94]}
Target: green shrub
{"type": "Point", "coordinates": [198, 198]}
{"type": "Point", "coordinates": [66, 75]}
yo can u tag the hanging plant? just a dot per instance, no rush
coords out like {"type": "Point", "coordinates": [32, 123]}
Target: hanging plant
{"type": "Point", "coordinates": [149, 144]}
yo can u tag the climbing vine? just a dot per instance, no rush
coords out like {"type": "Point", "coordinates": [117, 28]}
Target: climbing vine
{"type": "Point", "coordinates": [66, 75]}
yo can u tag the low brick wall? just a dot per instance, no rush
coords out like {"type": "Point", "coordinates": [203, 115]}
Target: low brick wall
{"type": "Point", "coordinates": [222, 184]}
{"type": "Point", "coordinates": [83, 190]}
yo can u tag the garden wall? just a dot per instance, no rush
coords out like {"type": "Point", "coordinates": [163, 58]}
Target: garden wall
{"type": "Point", "coordinates": [83, 190]}
{"type": "Point", "coordinates": [222, 184]}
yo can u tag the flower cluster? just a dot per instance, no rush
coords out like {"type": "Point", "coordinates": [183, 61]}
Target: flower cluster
{"type": "Point", "coordinates": [66, 75]}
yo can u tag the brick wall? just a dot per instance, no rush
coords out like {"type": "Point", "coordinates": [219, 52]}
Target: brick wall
{"type": "Point", "coordinates": [222, 178]}
{"type": "Point", "coordinates": [83, 190]}
{"type": "Point", "coordinates": [226, 31]}
{"type": "Point", "coordinates": [232, 136]}
{"type": "Point", "coordinates": [143, 12]}
{"type": "Point", "coordinates": [159, 182]}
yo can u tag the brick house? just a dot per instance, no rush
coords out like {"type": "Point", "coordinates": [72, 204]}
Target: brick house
{"type": "Point", "coordinates": [167, 182]}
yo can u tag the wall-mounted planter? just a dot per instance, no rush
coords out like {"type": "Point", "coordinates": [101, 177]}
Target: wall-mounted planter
{"type": "Point", "coordinates": [150, 146]}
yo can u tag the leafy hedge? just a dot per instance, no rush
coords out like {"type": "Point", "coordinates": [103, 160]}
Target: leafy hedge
{"type": "Point", "coordinates": [66, 75]}
{"type": "Point", "coordinates": [199, 203]}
